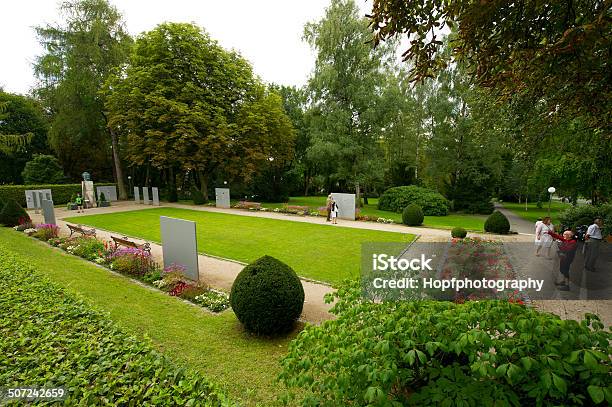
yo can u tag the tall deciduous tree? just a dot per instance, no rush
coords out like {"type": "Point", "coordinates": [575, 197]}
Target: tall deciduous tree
{"type": "Point", "coordinates": [23, 132]}
{"type": "Point", "coordinates": [79, 56]}
{"type": "Point", "coordinates": [185, 103]}
{"type": "Point", "coordinates": [557, 52]}
{"type": "Point", "coordinates": [345, 120]}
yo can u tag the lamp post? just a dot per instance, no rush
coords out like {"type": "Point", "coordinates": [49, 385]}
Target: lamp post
{"type": "Point", "coordinates": [551, 190]}
{"type": "Point", "coordinates": [130, 192]}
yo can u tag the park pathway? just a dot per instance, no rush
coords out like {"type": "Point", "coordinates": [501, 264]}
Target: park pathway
{"type": "Point", "coordinates": [517, 224]}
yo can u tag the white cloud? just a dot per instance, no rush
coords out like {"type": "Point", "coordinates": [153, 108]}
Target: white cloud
{"type": "Point", "coordinates": [268, 32]}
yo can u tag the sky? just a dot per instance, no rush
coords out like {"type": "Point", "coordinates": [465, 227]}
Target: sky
{"type": "Point", "coordinates": [266, 32]}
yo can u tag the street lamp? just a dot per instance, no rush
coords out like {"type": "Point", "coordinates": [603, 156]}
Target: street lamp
{"type": "Point", "coordinates": [551, 190]}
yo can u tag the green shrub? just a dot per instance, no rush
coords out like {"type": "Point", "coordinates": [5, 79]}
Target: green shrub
{"type": "Point", "coordinates": [458, 232]}
{"type": "Point", "coordinates": [413, 215]}
{"type": "Point", "coordinates": [43, 168]}
{"type": "Point", "coordinates": [102, 197]}
{"type": "Point", "coordinates": [197, 197]}
{"type": "Point", "coordinates": [497, 223]}
{"type": "Point", "coordinates": [62, 342]}
{"type": "Point", "coordinates": [585, 214]}
{"type": "Point", "coordinates": [61, 193]}
{"type": "Point", "coordinates": [439, 353]}
{"type": "Point", "coordinates": [397, 198]}
{"type": "Point", "coordinates": [267, 296]}
{"type": "Point", "coordinates": [88, 248]}
{"type": "Point", "coordinates": [12, 214]}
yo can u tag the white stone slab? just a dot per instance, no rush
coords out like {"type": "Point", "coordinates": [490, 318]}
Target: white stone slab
{"type": "Point", "coordinates": [110, 192]}
{"type": "Point", "coordinates": [137, 195]}
{"type": "Point", "coordinates": [346, 205]}
{"type": "Point", "coordinates": [89, 196]}
{"type": "Point", "coordinates": [145, 196]}
{"type": "Point", "coordinates": [222, 197]}
{"type": "Point", "coordinates": [180, 245]}
{"type": "Point", "coordinates": [48, 211]}
{"type": "Point", "coordinates": [33, 197]}
{"type": "Point", "coordinates": [155, 192]}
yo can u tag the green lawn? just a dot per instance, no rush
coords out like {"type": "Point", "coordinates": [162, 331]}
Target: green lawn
{"type": "Point", "coordinates": [321, 252]}
{"type": "Point", "coordinates": [533, 212]}
{"type": "Point", "coordinates": [244, 366]}
{"type": "Point", "coordinates": [469, 222]}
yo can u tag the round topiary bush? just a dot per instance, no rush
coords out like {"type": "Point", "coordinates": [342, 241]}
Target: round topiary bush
{"type": "Point", "coordinates": [497, 223]}
{"type": "Point", "coordinates": [267, 297]}
{"type": "Point", "coordinates": [459, 233]}
{"type": "Point", "coordinates": [412, 215]}
{"type": "Point", "coordinates": [12, 214]}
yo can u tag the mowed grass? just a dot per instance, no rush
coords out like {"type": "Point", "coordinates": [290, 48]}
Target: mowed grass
{"type": "Point", "coordinates": [470, 222]}
{"type": "Point", "coordinates": [321, 252]}
{"type": "Point", "coordinates": [244, 366]}
{"type": "Point", "coordinates": [532, 213]}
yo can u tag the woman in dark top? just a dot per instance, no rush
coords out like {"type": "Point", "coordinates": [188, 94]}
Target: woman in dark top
{"type": "Point", "coordinates": [567, 252]}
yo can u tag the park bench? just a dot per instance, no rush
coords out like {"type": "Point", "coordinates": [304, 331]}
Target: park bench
{"type": "Point", "coordinates": [80, 229]}
{"type": "Point", "coordinates": [123, 241]}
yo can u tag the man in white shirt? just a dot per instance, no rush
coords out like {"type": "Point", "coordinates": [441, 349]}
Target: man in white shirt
{"type": "Point", "coordinates": [593, 240]}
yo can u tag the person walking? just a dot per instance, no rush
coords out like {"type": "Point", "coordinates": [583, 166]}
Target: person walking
{"type": "Point", "coordinates": [567, 253]}
{"type": "Point", "coordinates": [328, 206]}
{"type": "Point", "coordinates": [593, 241]}
{"type": "Point", "coordinates": [333, 213]}
{"type": "Point", "coordinates": [543, 239]}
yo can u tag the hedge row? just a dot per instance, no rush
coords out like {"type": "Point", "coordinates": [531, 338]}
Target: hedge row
{"type": "Point", "coordinates": [61, 192]}
{"type": "Point", "coordinates": [51, 338]}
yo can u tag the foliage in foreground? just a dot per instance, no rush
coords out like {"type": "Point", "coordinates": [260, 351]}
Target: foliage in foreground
{"type": "Point", "coordinates": [267, 296]}
{"type": "Point", "coordinates": [585, 214]}
{"type": "Point", "coordinates": [480, 353]}
{"type": "Point", "coordinates": [12, 214]}
{"type": "Point", "coordinates": [397, 198]}
{"type": "Point", "coordinates": [50, 338]}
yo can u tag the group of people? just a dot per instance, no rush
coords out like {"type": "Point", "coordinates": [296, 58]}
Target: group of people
{"type": "Point", "coordinates": [332, 209]}
{"type": "Point", "coordinates": [567, 245]}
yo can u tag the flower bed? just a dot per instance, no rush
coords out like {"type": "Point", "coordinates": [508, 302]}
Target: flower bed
{"type": "Point", "coordinates": [135, 263]}
{"type": "Point", "coordinates": [248, 205]}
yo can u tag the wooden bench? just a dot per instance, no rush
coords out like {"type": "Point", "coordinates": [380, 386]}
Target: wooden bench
{"type": "Point", "coordinates": [80, 229]}
{"type": "Point", "coordinates": [123, 241]}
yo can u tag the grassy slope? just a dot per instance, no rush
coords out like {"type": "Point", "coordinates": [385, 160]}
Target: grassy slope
{"type": "Point", "coordinates": [469, 222]}
{"type": "Point", "coordinates": [244, 366]}
{"type": "Point", "coordinates": [533, 212]}
{"type": "Point", "coordinates": [321, 252]}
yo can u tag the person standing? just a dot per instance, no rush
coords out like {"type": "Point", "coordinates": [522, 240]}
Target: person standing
{"type": "Point", "coordinates": [543, 239]}
{"type": "Point", "coordinates": [593, 241]}
{"type": "Point", "coordinates": [567, 252]}
{"type": "Point", "coordinates": [79, 203]}
{"type": "Point", "coordinates": [334, 212]}
{"type": "Point", "coordinates": [328, 206]}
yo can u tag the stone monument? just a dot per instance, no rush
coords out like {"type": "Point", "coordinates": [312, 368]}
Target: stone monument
{"type": "Point", "coordinates": [155, 193]}
{"type": "Point", "coordinates": [110, 192]}
{"type": "Point", "coordinates": [87, 191]}
{"type": "Point", "coordinates": [222, 197]}
{"type": "Point", "coordinates": [180, 245]}
{"type": "Point", "coordinates": [346, 205]}
{"type": "Point", "coordinates": [145, 196]}
{"type": "Point", "coordinates": [48, 211]}
{"type": "Point", "coordinates": [33, 197]}
{"type": "Point", "coordinates": [137, 195]}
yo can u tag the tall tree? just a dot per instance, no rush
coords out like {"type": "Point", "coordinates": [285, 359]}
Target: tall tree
{"type": "Point", "coordinates": [23, 132]}
{"type": "Point", "coordinates": [185, 103]}
{"type": "Point", "coordinates": [556, 52]}
{"type": "Point", "coordinates": [79, 56]}
{"type": "Point", "coordinates": [344, 93]}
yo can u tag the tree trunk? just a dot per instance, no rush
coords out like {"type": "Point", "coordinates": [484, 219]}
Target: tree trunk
{"type": "Point", "coordinates": [118, 169]}
{"type": "Point", "coordinates": [172, 195]}
{"type": "Point", "coordinates": [358, 195]}
{"type": "Point", "coordinates": [203, 185]}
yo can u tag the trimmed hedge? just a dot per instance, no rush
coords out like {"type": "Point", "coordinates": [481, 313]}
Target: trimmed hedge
{"type": "Point", "coordinates": [397, 198]}
{"type": "Point", "coordinates": [267, 297]}
{"type": "Point", "coordinates": [51, 338]}
{"type": "Point", "coordinates": [497, 223]}
{"type": "Point", "coordinates": [61, 192]}
{"type": "Point", "coordinates": [413, 215]}
{"type": "Point", "coordinates": [12, 214]}
{"type": "Point", "coordinates": [585, 214]}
